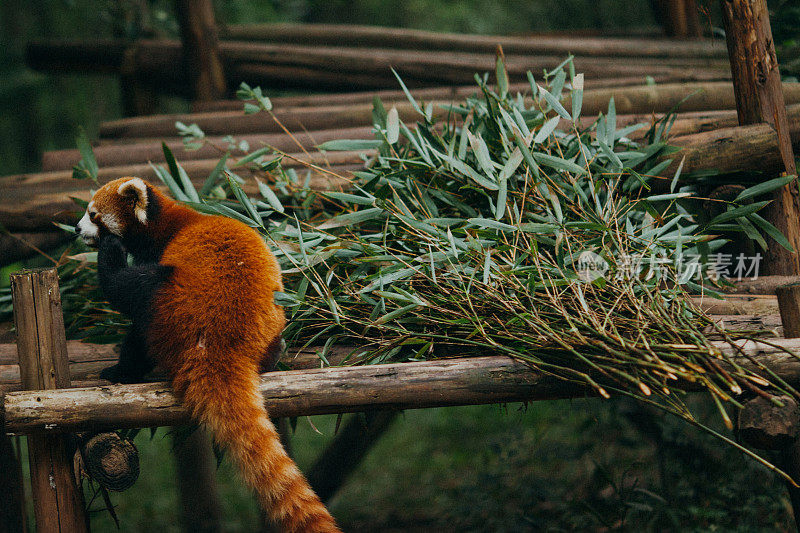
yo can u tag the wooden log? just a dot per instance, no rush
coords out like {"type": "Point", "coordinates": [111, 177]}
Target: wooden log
{"type": "Point", "coordinates": [339, 68]}
{"type": "Point", "coordinates": [438, 383]}
{"type": "Point", "coordinates": [12, 503]}
{"type": "Point", "coordinates": [425, 93]}
{"type": "Point", "coordinates": [57, 500]}
{"type": "Point", "coordinates": [346, 451]}
{"type": "Point", "coordinates": [381, 37]}
{"type": "Point", "coordinates": [196, 466]}
{"type": "Point", "coordinates": [761, 285]}
{"type": "Point", "coordinates": [730, 150]}
{"type": "Point", "coordinates": [110, 460]}
{"type": "Point", "coordinates": [86, 361]}
{"type": "Point", "coordinates": [767, 426]}
{"type": "Point", "coordinates": [627, 100]}
{"type": "Point", "coordinates": [736, 304]}
{"type": "Point", "coordinates": [127, 154]}
{"type": "Point", "coordinates": [789, 302]}
{"type": "Point", "coordinates": [757, 83]}
{"type": "Point", "coordinates": [200, 40]}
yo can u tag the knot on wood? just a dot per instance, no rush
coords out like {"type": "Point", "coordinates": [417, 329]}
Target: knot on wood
{"type": "Point", "coordinates": [767, 426]}
{"type": "Point", "coordinates": [111, 461]}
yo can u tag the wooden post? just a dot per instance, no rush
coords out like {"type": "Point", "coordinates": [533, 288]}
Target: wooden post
{"type": "Point", "coordinates": [789, 304]}
{"type": "Point", "coordinates": [197, 483]}
{"type": "Point", "coordinates": [201, 48]}
{"type": "Point", "coordinates": [757, 85]}
{"type": "Point", "coordinates": [680, 18]}
{"type": "Point", "coordinates": [42, 351]}
{"type": "Point", "coordinates": [346, 451]}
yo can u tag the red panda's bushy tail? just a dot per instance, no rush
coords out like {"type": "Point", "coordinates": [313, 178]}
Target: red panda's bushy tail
{"type": "Point", "coordinates": [230, 405]}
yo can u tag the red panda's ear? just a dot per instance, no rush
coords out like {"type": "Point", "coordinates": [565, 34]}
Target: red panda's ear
{"type": "Point", "coordinates": [136, 190]}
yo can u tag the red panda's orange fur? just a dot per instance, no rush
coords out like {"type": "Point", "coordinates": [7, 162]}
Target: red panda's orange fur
{"type": "Point", "coordinates": [213, 322]}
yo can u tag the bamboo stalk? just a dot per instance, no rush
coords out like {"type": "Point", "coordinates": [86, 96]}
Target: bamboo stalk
{"type": "Point", "coordinates": [336, 390]}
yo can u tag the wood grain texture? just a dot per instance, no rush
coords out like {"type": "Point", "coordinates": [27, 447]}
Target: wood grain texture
{"type": "Point", "coordinates": [757, 84]}
{"type": "Point", "coordinates": [465, 381]}
{"type": "Point", "coordinates": [371, 36]}
{"type": "Point", "coordinates": [57, 501]}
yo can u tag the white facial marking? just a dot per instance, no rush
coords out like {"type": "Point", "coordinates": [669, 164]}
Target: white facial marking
{"type": "Point", "coordinates": [112, 223]}
{"type": "Point", "coordinates": [140, 189]}
{"type": "Point", "coordinates": [89, 231]}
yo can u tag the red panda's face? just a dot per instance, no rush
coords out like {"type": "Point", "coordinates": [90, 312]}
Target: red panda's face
{"type": "Point", "coordinates": [115, 208]}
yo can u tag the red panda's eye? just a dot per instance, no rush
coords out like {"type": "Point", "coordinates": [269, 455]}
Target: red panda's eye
{"type": "Point", "coordinates": [93, 216]}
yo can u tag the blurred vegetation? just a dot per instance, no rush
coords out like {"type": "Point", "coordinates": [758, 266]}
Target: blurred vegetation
{"type": "Point", "coordinates": [580, 465]}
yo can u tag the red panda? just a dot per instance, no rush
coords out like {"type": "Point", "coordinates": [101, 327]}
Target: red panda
{"type": "Point", "coordinates": [200, 296]}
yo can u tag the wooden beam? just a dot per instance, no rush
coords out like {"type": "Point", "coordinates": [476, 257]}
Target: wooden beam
{"type": "Point", "coordinates": [757, 82]}
{"type": "Point", "coordinates": [382, 37]}
{"type": "Point", "coordinates": [201, 57]}
{"type": "Point", "coordinates": [341, 68]}
{"type": "Point", "coordinates": [57, 500]}
{"type": "Point", "coordinates": [437, 383]}
{"type": "Point", "coordinates": [628, 100]}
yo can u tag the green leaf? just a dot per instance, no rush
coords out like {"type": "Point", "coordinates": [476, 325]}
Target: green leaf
{"type": "Point", "coordinates": [243, 199]}
{"type": "Point", "coordinates": [546, 129]}
{"type": "Point", "coordinates": [771, 230]}
{"type": "Point", "coordinates": [413, 102]}
{"type": "Point", "coordinates": [350, 144]}
{"type": "Point", "coordinates": [555, 104]}
{"type": "Point", "coordinates": [577, 96]}
{"type": "Point", "coordinates": [177, 170]}
{"type": "Point", "coordinates": [349, 219]}
{"type": "Point", "coordinates": [347, 198]}
{"type": "Point", "coordinates": [269, 196]}
{"type": "Point", "coordinates": [737, 212]}
{"type": "Point", "coordinates": [558, 163]}
{"type": "Point", "coordinates": [252, 156]}
{"type": "Point", "coordinates": [392, 126]}
{"type": "Point", "coordinates": [396, 314]}
{"type": "Point", "coordinates": [170, 182]}
{"type": "Point", "coordinates": [502, 75]}
{"type": "Point", "coordinates": [213, 178]}
{"type": "Point", "coordinates": [87, 155]}
{"type": "Point", "coordinates": [765, 187]}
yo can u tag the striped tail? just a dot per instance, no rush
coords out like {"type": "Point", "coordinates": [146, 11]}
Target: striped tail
{"type": "Point", "coordinates": [229, 404]}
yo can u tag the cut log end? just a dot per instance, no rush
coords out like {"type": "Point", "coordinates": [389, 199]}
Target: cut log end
{"type": "Point", "coordinates": [111, 461]}
{"type": "Point", "coordinates": [767, 426]}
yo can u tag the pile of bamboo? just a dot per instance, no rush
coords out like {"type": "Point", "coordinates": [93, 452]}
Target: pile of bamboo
{"type": "Point", "coordinates": [706, 128]}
